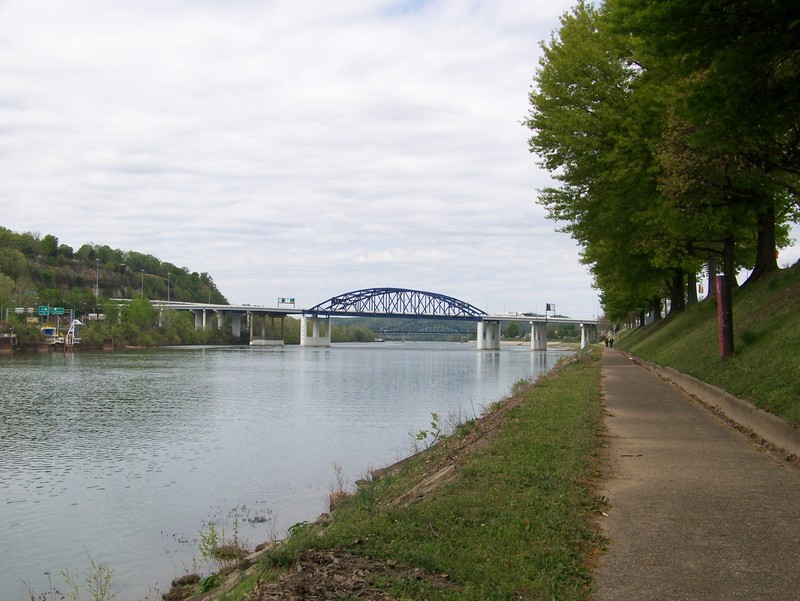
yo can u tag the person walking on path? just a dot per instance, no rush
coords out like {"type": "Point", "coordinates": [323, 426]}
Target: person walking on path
{"type": "Point", "coordinates": [695, 510]}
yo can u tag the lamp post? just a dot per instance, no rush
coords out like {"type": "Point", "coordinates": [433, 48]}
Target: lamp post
{"type": "Point", "coordinates": [96, 282]}
{"type": "Point", "coordinates": [168, 274]}
{"type": "Point", "coordinates": [142, 282]}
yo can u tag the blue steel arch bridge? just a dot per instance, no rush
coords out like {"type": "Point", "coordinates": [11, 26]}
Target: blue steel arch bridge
{"type": "Point", "coordinates": [315, 327]}
{"type": "Point", "coordinates": [397, 302]}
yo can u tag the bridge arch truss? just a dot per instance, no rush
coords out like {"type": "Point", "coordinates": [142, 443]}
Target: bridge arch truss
{"type": "Point", "coordinates": [397, 302]}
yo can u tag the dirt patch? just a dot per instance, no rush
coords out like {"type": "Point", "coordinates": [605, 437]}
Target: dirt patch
{"type": "Point", "coordinates": [337, 574]}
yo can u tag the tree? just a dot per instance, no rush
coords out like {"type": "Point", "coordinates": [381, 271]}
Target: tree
{"type": "Point", "coordinates": [512, 330]}
{"type": "Point", "coordinates": [594, 134]}
{"type": "Point", "coordinates": [64, 250]}
{"type": "Point", "coordinates": [140, 313]}
{"type": "Point", "coordinates": [6, 291]}
{"type": "Point", "coordinates": [737, 63]}
{"type": "Point", "coordinates": [641, 115]}
{"type": "Point", "coordinates": [49, 246]}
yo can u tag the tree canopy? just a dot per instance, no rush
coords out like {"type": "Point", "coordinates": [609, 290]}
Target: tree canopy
{"type": "Point", "coordinates": [672, 131]}
{"type": "Point", "coordinates": [37, 270]}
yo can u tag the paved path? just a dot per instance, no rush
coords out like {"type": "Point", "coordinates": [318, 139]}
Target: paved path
{"type": "Point", "coordinates": [695, 510]}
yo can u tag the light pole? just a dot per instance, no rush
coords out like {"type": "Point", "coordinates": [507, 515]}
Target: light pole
{"type": "Point", "coordinates": [168, 274]}
{"type": "Point", "coordinates": [96, 282]}
{"type": "Point", "coordinates": [142, 282]}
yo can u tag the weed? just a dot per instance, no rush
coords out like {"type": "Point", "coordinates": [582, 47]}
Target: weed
{"type": "Point", "coordinates": [520, 386]}
{"type": "Point", "coordinates": [299, 527]}
{"type": "Point", "coordinates": [51, 595]}
{"type": "Point", "coordinates": [218, 550]}
{"type": "Point", "coordinates": [208, 583]}
{"type": "Point", "coordinates": [341, 482]}
{"type": "Point", "coordinates": [97, 583]}
{"type": "Point", "coordinates": [435, 433]}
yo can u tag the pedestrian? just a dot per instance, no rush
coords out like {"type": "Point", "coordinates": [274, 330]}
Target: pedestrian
{"type": "Point", "coordinates": [609, 338]}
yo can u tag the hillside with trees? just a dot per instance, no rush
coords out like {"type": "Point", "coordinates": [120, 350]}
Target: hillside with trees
{"type": "Point", "coordinates": [673, 133]}
{"type": "Point", "coordinates": [38, 271]}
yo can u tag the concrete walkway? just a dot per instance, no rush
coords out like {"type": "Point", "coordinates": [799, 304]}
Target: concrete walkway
{"type": "Point", "coordinates": [696, 511]}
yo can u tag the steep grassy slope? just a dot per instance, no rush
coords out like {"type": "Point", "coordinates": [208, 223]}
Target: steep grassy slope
{"type": "Point", "coordinates": [766, 366]}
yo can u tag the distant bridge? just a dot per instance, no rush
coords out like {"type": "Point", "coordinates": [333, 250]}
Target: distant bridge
{"type": "Point", "coordinates": [377, 302]}
{"type": "Point", "coordinates": [397, 302]}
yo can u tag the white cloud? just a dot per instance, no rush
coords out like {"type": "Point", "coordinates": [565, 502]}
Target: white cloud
{"type": "Point", "coordinates": [289, 148]}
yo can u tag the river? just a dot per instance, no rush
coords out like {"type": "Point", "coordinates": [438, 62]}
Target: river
{"type": "Point", "coordinates": [125, 458]}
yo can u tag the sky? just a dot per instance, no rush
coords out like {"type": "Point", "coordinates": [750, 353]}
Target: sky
{"type": "Point", "coordinates": [290, 148]}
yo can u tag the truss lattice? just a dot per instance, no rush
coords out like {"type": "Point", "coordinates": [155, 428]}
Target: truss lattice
{"type": "Point", "coordinates": [397, 302]}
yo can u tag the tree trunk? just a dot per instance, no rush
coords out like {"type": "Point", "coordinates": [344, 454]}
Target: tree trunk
{"type": "Point", "coordinates": [655, 307]}
{"type": "Point", "coordinates": [677, 294]}
{"type": "Point", "coordinates": [691, 288]}
{"type": "Point", "coordinates": [712, 275]}
{"type": "Point", "coordinates": [766, 259]}
{"type": "Point", "coordinates": [725, 302]}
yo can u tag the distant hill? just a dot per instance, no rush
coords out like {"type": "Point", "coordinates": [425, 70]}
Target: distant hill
{"type": "Point", "coordinates": [36, 270]}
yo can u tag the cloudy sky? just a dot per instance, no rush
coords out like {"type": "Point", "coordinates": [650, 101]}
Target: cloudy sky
{"type": "Point", "coordinates": [299, 148]}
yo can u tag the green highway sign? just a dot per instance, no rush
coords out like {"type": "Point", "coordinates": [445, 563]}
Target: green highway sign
{"type": "Point", "coordinates": [44, 310]}
{"type": "Point", "coordinates": [56, 310]}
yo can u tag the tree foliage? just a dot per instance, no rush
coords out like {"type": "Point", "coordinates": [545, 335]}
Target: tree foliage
{"type": "Point", "coordinates": [672, 131]}
{"type": "Point", "coordinates": [46, 272]}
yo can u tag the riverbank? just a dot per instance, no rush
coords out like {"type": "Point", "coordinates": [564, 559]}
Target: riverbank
{"type": "Point", "coordinates": [511, 507]}
{"type": "Point", "coordinates": [503, 508]}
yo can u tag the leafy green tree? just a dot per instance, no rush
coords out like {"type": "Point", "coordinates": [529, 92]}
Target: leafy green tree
{"type": "Point", "coordinates": [139, 313]}
{"type": "Point", "coordinates": [592, 126]}
{"type": "Point", "coordinates": [6, 291]}
{"type": "Point", "coordinates": [64, 250]}
{"type": "Point", "coordinates": [49, 246]}
{"type": "Point", "coordinates": [512, 330]}
{"type": "Point", "coordinates": [738, 72]}
{"type": "Point", "coordinates": [13, 263]}
{"type": "Point", "coordinates": [638, 113]}
{"type": "Point", "coordinates": [51, 297]}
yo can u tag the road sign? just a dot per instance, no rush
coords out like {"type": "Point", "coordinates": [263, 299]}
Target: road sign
{"type": "Point", "coordinates": [56, 310]}
{"type": "Point", "coordinates": [285, 301]}
{"type": "Point", "coordinates": [44, 310]}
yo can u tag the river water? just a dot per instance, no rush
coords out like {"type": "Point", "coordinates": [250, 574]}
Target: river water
{"type": "Point", "coordinates": [125, 458]}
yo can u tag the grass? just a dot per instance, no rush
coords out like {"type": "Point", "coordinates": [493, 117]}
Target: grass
{"type": "Point", "coordinates": [765, 368]}
{"type": "Point", "coordinates": [516, 522]}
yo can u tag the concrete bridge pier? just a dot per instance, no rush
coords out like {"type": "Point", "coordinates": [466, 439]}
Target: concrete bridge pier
{"type": "Point", "coordinates": [236, 323]}
{"type": "Point", "coordinates": [488, 336]}
{"type": "Point", "coordinates": [538, 336]}
{"type": "Point", "coordinates": [199, 319]}
{"type": "Point", "coordinates": [588, 334]}
{"type": "Point", "coordinates": [203, 318]}
{"type": "Point", "coordinates": [265, 339]}
{"type": "Point", "coordinates": [318, 324]}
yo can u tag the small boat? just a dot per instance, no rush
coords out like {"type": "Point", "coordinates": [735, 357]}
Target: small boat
{"type": "Point", "coordinates": [52, 338]}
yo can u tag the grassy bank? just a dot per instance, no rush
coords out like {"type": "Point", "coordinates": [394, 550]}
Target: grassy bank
{"type": "Point", "coordinates": [766, 362]}
{"type": "Point", "coordinates": [505, 508]}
